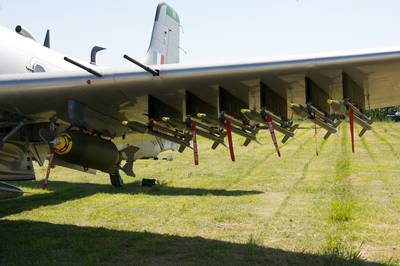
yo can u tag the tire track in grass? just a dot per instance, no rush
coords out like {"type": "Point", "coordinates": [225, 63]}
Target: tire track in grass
{"type": "Point", "coordinates": [387, 143]}
{"type": "Point", "coordinates": [373, 158]}
{"type": "Point", "coordinates": [305, 170]}
{"type": "Point", "coordinates": [253, 167]}
{"type": "Point", "coordinates": [255, 164]}
{"type": "Point", "coordinates": [391, 129]}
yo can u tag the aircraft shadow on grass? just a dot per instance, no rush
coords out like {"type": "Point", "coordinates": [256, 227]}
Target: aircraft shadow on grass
{"type": "Point", "coordinates": [49, 244]}
{"type": "Point", "coordinates": [65, 191]}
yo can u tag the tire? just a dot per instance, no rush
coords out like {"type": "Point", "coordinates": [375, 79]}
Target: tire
{"type": "Point", "coordinates": [116, 180]}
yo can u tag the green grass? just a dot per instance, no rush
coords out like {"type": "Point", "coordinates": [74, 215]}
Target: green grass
{"type": "Point", "coordinates": [337, 208]}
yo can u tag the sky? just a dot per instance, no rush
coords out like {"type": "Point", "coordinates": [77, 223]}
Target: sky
{"type": "Point", "coordinates": [213, 31]}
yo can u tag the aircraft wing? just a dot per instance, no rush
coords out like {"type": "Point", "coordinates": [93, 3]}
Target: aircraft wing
{"type": "Point", "coordinates": [37, 95]}
{"type": "Point", "coordinates": [240, 91]}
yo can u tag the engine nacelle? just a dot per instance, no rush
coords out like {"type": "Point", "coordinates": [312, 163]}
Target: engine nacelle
{"type": "Point", "coordinates": [92, 152]}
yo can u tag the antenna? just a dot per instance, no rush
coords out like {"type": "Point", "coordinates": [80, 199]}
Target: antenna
{"type": "Point", "coordinates": [47, 40]}
{"type": "Point", "coordinates": [93, 54]}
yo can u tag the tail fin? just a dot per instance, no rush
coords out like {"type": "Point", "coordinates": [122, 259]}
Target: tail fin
{"type": "Point", "coordinates": [164, 45]}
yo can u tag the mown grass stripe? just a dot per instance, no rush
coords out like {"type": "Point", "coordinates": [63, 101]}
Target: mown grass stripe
{"type": "Point", "coordinates": [338, 239]}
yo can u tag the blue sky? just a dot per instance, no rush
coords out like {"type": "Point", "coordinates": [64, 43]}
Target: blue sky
{"type": "Point", "coordinates": [213, 30]}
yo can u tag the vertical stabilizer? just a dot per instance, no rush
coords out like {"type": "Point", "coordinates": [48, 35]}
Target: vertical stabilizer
{"type": "Point", "coordinates": [164, 45]}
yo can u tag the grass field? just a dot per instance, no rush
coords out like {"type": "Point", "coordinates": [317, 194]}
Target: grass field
{"type": "Point", "coordinates": [333, 209]}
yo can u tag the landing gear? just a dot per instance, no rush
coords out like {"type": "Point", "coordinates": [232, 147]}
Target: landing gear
{"type": "Point", "coordinates": [116, 180]}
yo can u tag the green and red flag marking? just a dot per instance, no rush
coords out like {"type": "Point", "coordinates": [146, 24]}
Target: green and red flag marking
{"type": "Point", "coordinates": [172, 13]}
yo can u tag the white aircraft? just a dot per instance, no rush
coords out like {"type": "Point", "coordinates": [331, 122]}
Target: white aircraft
{"type": "Point", "coordinates": [86, 117]}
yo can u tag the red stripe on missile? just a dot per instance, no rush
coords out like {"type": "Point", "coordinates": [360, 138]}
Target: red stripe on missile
{"type": "Point", "coordinates": [230, 141]}
{"type": "Point", "coordinates": [351, 118]}
{"type": "Point", "coordinates": [51, 161]}
{"type": "Point", "coordinates": [195, 148]}
{"type": "Point", "coordinates": [268, 119]}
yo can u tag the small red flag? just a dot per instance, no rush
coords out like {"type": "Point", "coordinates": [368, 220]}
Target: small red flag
{"type": "Point", "coordinates": [195, 148]}
{"type": "Point", "coordinates": [270, 124]}
{"type": "Point", "coordinates": [230, 141]}
{"type": "Point", "coordinates": [351, 118]}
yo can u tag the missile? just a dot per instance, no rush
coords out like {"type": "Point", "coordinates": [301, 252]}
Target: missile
{"type": "Point", "coordinates": [209, 119]}
{"type": "Point", "coordinates": [355, 115]}
{"type": "Point", "coordinates": [259, 117]}
{"type": "Point", "coordinates": [201, 129]}
{"type": "Point", "coordinates": [237, 127]}
{"type": "Point", "coordinates": [361, 119]}
{"type": "Point", "coordinates": [218, 124]}
{"type": "Point", "coordinates": [174, 123]}
{"type": "Point", "coordinates": [277, 122]}
{"type": "Point", "coordinates": [299, 110]}
{"type": "Point", "coordinates": [156, 131]}
{"type": "Point", "coordinates": [338, 106]}
{"type": "Point", "coordinates": [318, 117]}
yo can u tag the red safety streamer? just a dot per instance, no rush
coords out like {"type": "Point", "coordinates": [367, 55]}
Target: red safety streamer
{"type": "Point", "coordinates": [315, 136]}
{"type": "Point", "coordinates": [51, 161]}
{"type": "Point", "coordinates": [351, 118]}
{"type": "Point", "coordinates": [230, 141]}
{"type": "Point", "coordinates": [268, 119]}
{"type": "Point", "coordinates": [195, 148]}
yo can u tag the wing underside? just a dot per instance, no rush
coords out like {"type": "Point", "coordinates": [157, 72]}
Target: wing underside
{"type": "Point", "coordinates": [243, 98]}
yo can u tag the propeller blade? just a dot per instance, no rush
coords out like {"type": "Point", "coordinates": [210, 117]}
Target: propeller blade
{"type": "Point", "coordinates": [230, 141]}
{"type": "Point", "coordinates": [195, 148]}
{"type": "Point", "coordinates": [268, 120]}
{"type": "Point", "coordinates": [351, 118]}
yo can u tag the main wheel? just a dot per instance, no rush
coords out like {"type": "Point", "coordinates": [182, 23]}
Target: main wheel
{"type": "Point", "coordinates": [116, 180]}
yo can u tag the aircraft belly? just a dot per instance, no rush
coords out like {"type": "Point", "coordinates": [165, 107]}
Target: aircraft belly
{"type": "Point", "coordinates": [15, 163]}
